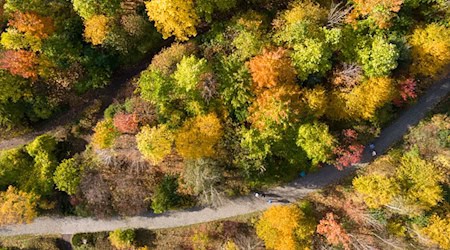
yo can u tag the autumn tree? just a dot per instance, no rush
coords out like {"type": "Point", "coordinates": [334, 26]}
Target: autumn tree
{"type": "Point", "coordinates": [285, 228]}
{"type": "Point", "coordinates": [349, 151]}
{"type": "Point", "coordinates": [275, 108]}
{"type": "Point", "coordinates": [198, 137]}
{"type": "Point", "coordinates": [21, 63]}
{"type": "Point", "coordinates": [17, 206]}
{"type": "Point", "coordinates": [96, 29]}
{"type": "Point", "coordinates": [167, 59]}
{"type": "Point", "coordinates": [126, 123]}
{"type": "Point", "coordinates": [104, 134]}
{"type": "Point", "coordinates": [406, 91]}
{"type": "Point", "coordinates": [155, 143]}
{"type": "Point", "coordinates": [174, 18]}
{"type": "Point", "coordinates": [315, 100]}
{"type": "Point", "coordinates": [363, 101]}
{"type": "Point", "coordinates": [271, 69]}
{"type": "Point", "coordinates": [315, 139]}
{"type": "Point", "coordinates": [438, 230]}
{"type": "Point", "coordinates": [376, 189]}
{"type": "Point", "coordinates": [32, 24]}
{"type": "Point", "coordinates": [430, 48]}
{"type": "Point", "coordinates": [333, 231]}
{"type": "Point", "coordinates": [378, 12]}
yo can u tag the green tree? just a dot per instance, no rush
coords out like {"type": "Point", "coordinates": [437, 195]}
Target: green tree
{"type": "Point", "coordinates": [166, 195]}
{"type": "Point", "coordinates": [316, 141]}
{"type": "Point", "coordinates": [206, 8]}
{"type": "Point", "coordinates": [378, 57]}
{"type": "Point", "coordinates": [313, 56]}
{"type": "Point", "coordinates": [67, 175]}
{"type": "Point", "coordinates": [88, 8]}
{"type": "Point", "coordinates": [15, 167]}
{"type": "Point", "coordinates": [43, 150]}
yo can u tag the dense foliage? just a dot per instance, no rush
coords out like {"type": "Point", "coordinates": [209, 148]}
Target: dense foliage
{"type": "Point", "coordinates": [247, 95]}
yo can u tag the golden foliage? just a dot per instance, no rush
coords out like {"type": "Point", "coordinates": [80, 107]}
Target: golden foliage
{"type": "Point", "coordinates": [276, 106]}
{"type": "Point", "coordinates": [32, 24]}
{"type": "Point", "coordinates": [363, 101]}
{"type": "Point", "coordinates": [305, 10]}
{"type": "Point", "coordinates": [174, 17]}
{"type": "Point", "coordinates": [96, 29]}
{"type": "Point", "coordinates": [17, 206]}
{"type": "Point", "coordinates": [430, 47]}
{"type": "Point", "coordinates": [377, 190]}
{"type": "Point", "coordinates": [198, 137]}
{"type": "Point", "coordinates": [271, 69]}
{"type": "Point", "coordinates": [104, 134]}
{"type": "Point", "coordinates": [438, 231]}
{"type": "Point", "coordinates": [281, 227]}
{"type": "Point", "coordinates": [155, 143]}
{"type": "Point", "coordinates": [380, 11]}
{"type": "Point", "coordinates": [316, 100]}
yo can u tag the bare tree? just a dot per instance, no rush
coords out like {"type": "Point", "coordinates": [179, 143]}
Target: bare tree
{"type": "Point", "coordinates": [347, 76]}
{"type": "Point", "coordinates": [208, 86]}
{"type": "Point", "coordinates": [338, 13]}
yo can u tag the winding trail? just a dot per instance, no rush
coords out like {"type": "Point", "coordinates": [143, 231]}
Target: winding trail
{"type": "Point", "coordinates": [243, 205]}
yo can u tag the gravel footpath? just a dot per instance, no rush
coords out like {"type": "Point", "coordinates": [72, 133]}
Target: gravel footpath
{"type": "Point", "coordinates": [244, 205]}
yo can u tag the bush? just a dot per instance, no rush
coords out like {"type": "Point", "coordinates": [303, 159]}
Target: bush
{"type": "Point", "coordinates": [122, 239]}
{"type": "Point", "coordinates": [105, 134]}
{"type": "Point", "coordinates": [166, 195]}
{"type": "Point", "coordinates": [67, 175]}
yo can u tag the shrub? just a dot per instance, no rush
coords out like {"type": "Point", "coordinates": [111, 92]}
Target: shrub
{"type": "Point", "coordinates": [104, 134]}
{"type": "Point", "coordinates": [122, 239]}
{"type": "Point", "coordinates": [155, 143]}
{"type": "Point", "coordinates": [166, 195]}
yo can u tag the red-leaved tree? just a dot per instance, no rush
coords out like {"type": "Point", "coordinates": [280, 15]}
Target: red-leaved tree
{"type": "Point", "coordinates": [350, 151]}
{"type": "Point", "coordinates": [333, 231]}
{"type": "Point", "coordinates": [21, 62]}
{"type": "Point", "coordinates": [126, 123]}
{"type": "Point", "coordinates": [407, 91]}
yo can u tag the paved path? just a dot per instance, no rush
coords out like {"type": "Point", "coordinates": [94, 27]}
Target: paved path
{"type": "Point", "coordinates": [243, 205]}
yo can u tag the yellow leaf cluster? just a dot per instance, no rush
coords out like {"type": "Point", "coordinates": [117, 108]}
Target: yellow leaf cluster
{"type": "Point", "coordinates": [155, 143]}
{"type": "Point", "coordinates": [363, 101]}
{"type": "Point", "coordinates": [316, 100]}
{"type": "Point", "coordinates": [280, 227]}
{"type": "Point", "coordinates": [198, 137]}
{"type": "Point", "coordinates": [377, 190]}
{"type": "Point", "coordinates": [438, 231]}
{"type": "Point", "coordinates": [174, 18]}
{"type": "Point", "coordinates": [430, 47]}
{"type": "Point", "coordinates": [17, 206]}
{"type": "Point", "coordinates": [96, 29]}
{"type": "Point", "coordinates": [305, 10]}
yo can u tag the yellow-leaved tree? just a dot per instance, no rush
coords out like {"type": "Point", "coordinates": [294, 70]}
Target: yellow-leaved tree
{"type": "Point", "coordinates": [285, 228]}
{"type": "Point", "coordinates": [96, 29]}
{"type": "Point", "coordinates": [430, 47]}
{"type": "Point", "coordinates": [174, 17]}
{"type": "Point", "coordinates": [155, 143]}
{"type": "Point", "coordinates": [198, 136]}
{"type": "Point", "coordinates": [438, 231]}
{"type": "Point", "coordinates": [17, 206]}
{"type": "Point", "coordinates": [363, 101]}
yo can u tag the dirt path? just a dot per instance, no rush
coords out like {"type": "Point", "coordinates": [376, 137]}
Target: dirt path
{"type": "Point", "coordinates": [242, 205]}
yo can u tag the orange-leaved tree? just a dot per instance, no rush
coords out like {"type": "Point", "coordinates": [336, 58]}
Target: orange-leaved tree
{"type": "Point", "coordinates": [20, 63]}
{"type": "Point", "coordinates": [32, 24]}
{"type": "Point", "coordinates": [17, 206]}
{"type": "Point", "coordinates": [381, 12]}
{"type": "Point", "coordinates": [271, 69]}
{"type": "Point", "coordinates": [333, 231]}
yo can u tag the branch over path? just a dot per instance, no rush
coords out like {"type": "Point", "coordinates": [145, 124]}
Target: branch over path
{"type": "Point", "coordinates": [243, 205]}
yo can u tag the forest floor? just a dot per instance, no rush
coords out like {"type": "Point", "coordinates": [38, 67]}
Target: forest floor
{"type": "Point", "coordinates": [247, 204]}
